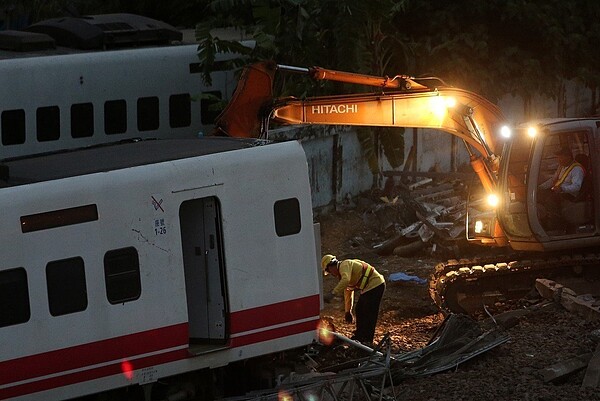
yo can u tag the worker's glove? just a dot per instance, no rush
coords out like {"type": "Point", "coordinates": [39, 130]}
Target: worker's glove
{"type": "Point", "coordinates": [348, 317]}
{"type": "Point", "coordinates": [327, 298]}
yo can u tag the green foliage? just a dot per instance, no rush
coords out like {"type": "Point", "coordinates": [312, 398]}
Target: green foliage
{"type": "Point", "coordinates": [349, 35]}
{"type": "Point", "coordinates": [495, 47]}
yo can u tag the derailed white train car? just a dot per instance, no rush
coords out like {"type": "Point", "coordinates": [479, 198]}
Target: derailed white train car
{"type": "Point", "coordinates": [129, 263]}
{"type": "Point", "coordinates": [67, 84]}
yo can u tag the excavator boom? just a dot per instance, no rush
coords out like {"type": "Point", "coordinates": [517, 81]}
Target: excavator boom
{"type": "Point", "coordinates": [451, 110]}
{"type": "Point", "coordinates": [407, 103]}
{"type": "Point", "coordinates": [410, 104]}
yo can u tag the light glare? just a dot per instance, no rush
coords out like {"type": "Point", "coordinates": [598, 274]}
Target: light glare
{"type": "Point", "coordinates": [450, 102]}
{"type": "Point", "coordinates": [505, 131]}
{"type": "Point", "coordinates": [325, 332]}
{"type": "Point", "coordinates": [478, 226]}
{"type": "Point", "coordinates": [127, 369]}
{"type": "Point", "coordinates": [493, 200]}
{"type": "Point", "coordinates": [532, 131]}
{"type": "Point", "coordinates": [438, 106]}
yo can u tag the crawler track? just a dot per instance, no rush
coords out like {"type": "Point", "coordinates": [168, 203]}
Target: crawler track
{"type": "Point", "coordinates": [465, 286]}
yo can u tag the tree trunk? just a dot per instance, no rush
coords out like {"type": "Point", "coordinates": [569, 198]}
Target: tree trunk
{"type": "Point", "coordinates": [561, 100]}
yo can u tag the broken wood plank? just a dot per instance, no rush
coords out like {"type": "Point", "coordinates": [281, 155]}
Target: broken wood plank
{"type": "Point", "coordinates": [592, 373]}
{"type": "Point", "coordinates": [437, 231]}
{"type": "Point", "coordinates": [431, 190]}
{"type": "Point", "coordinates": [419, 183]}
{"type": "Point", "coordinates": [435, 194]}
{"type": "Point", "coordinates": [387, 247]}
{"type": "Point", "coordinates": [409, 249]}
{"type": "Point", "coordinates": [585, 305]}
{"type": "Point", "coordinates": [411, 160]}
{"type": "Point", "coordinates": [564, 368]}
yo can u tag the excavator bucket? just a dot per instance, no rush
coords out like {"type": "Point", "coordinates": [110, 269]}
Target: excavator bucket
{"type": "Point", "coordinates": [242, 117]}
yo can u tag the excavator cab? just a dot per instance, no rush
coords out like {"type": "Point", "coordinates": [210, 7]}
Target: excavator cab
{"type": "Point", "coordinates": [530, 221]}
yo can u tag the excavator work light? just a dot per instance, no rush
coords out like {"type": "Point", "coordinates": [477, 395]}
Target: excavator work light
{"type": "Point", "coordinates": [532, 131]}
{"type": "Point", "coordinates": [478, 226]}
{"type": "Point", "coordinates": [441, 104]}
{"type": "Point", "coordinates": [505, 131]}
{"type": "Point", "coordinates": [450, 102]}
{"type": "Point", "coordinates": [493, 200]}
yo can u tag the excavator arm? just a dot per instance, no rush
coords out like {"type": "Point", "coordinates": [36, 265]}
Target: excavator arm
{"type": "Point", "coordinates": [402, 101]}
{"type": "Point", "coordinates": [455, 111]}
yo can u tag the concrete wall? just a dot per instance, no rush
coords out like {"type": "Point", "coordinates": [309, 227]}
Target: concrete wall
{"type": "Point", "coordinates": [338, 168]}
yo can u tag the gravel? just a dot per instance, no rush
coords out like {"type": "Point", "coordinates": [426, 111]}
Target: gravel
{"type": "Point", "coordinates": [512, 371]}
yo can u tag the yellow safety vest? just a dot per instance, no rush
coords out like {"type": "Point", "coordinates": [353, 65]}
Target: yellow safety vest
{"type": "Point", "coordinates": [564, 175]}
{"type": "Point", "coordinates": [364, 279]}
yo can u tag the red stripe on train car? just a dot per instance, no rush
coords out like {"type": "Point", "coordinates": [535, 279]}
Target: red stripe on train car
{"type": "Point", "coordinates": [126, 347]}
{"type": "Point", "coordinates": [90, 374]}
{"type": "Point", "coordinates": [275, 333]}
{"type": "Point", "coordinates": [270, 315]}
{"type": "Point", "coordinates": [80, 356]}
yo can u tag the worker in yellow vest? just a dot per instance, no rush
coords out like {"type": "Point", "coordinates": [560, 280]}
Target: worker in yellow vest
{"type": "Point", "coordinates": [353, 275]}
{"type": "Point", "coordinates": [564, 184]}
{"type": "Point", "coordinates": [568, 176]}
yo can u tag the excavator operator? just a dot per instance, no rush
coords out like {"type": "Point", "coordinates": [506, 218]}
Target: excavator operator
{"type": "Point", "coordinates": [354, 274]}
{"type": "Point", "coordinates": [564, 184]}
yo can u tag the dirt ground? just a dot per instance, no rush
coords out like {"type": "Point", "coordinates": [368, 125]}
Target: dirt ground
{"type": "Point", "coordinates": [511, 371]}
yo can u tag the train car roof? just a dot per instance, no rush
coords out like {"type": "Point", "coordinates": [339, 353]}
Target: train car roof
{"type": "Point", "coordinates": [64, 51]}
{"type": "Point", "coordinates": [114, 156]}
{"type": "Point", "coordinates": [69, 35]}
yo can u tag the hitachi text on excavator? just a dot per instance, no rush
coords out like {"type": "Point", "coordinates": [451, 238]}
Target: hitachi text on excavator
{"type": "Point", "coordinates": [511, 163]}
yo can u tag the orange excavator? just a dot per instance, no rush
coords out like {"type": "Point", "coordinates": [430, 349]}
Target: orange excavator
{"type": "Point", "coordinates": [511, 163]}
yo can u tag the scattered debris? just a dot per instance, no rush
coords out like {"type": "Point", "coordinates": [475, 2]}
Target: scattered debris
{"type": "Point", "coordinates": [430, 212]}
{"type": "Point", "coordinates": [586, 305]}
{"type": "Point", "coordinates": [592, 374]}
{"type": "Point", "coordinates": [564, 368]}
{"type": "Point", "coordinates": [457, 340]}
{"type": "Point", "coordinates": [542, 332]}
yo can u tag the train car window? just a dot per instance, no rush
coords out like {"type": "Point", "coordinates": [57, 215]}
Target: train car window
{"type": "Point", "coordinates": [13, 127]}
{"type": "Point", "coordinates": [180, 110]}
{"type": "Point", "coordinates": [67, 291]}
{"type": "Point", "coordinates": [147, 114]}
{"type": "Point", "coordinates": [82, 120]}
{"type": "Point", "coordinates": [122, 275]}
{"type": "Point", "coordinates": [287, 217]}
{"type": "Point", "coordinates": [47, 123]}
{"type": "Point", "coordinates": [210, 106]}
{"type": "Point", "coordinates": [115, 117]}
{"type": "Point", "coordinates": [14, 297]}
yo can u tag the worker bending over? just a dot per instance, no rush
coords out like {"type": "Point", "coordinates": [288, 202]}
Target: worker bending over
{"type": "Point", "coordinates": [354, 274]}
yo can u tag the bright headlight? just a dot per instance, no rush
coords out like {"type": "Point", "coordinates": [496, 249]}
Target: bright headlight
{"type": "Point", "coordinates": [493, 200]}
{"type": "Point", "coordinates": [532, 131]}
{"type": "Point", "coordinates": [440, 105]}
{"type": "Point", "coordinates": [505, 131]}
{"type": "Point", "coordinates": [450, 102]}
{"type": "Point", "coordinates": [478, 227]}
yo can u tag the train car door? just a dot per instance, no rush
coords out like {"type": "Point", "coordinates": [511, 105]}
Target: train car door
{"type": "Point", "coordinates": [204, 271]}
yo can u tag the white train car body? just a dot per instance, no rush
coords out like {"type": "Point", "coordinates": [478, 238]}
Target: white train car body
{"type": "Point", "coordinates": [127, 263]}
{"type": "Point", "coordinates": [53, 101]}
